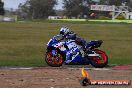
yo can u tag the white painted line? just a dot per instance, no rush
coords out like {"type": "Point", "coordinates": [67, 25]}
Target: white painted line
{"type": "Point", "coordinates": [102, 69]}
{"type": "Point", "coordinates": [22, 68]}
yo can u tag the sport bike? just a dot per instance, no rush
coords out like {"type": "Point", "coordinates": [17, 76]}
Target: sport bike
{"type": "Point", "coordinates": [70, 52]}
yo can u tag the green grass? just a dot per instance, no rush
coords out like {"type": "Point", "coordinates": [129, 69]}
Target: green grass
{"type": "Point", "coordinates": [24, 44]}
{"type": "Point", "coordinates": [91, 21]}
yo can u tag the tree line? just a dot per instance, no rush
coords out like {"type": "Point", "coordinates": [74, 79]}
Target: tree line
{"type": "Point", "coordinates": [37, 9]}
{"type": "Point", "coordinates": [1, 8]}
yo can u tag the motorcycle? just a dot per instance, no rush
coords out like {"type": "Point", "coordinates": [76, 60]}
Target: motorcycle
{"type": "Point", "coordinates": [69, 52]}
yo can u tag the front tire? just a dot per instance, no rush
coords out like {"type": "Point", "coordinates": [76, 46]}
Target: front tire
{"type": "Point", "coordinates": [54, 61]}
{"type": "Point", "coordinates": [99, 62]}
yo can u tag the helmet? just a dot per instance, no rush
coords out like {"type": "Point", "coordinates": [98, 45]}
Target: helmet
{"type": "Point", "coordinates": [64, 31]}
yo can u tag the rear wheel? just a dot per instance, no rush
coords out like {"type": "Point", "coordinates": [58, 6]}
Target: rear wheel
{"type": "Point", "coordinates": [101, 61]}
{"type": "Point", "coordinates": [54, 60]}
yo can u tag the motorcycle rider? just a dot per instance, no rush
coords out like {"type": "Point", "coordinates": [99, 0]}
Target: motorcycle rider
{"type": "Point", "coordinates": [67, 34]}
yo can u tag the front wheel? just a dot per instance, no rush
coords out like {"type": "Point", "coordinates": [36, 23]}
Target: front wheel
{"type": "Point", "coordinates": [101, 61]}
{"type": "Point", "coordinates": [54, 60]}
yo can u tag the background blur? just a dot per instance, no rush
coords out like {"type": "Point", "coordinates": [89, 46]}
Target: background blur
{"type": "Point", "coordinates": [61, 9]}
{"type": "Point", "coordinates": [27, 25]}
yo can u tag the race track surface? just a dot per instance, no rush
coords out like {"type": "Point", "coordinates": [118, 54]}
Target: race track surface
{"type": "Point", "coordinates": [63, 77]}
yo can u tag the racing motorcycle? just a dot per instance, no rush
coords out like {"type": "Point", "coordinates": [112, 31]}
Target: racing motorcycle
{"type": "Point", "coordinates": [69, 52]}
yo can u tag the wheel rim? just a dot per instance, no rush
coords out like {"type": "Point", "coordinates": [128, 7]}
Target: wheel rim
{"type": "Point", "coordinates": [54, 60]}
{"type": "Point", "coordinates": [102, 59]}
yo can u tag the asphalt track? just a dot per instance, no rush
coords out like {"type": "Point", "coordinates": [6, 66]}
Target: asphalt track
{"type": "Point", "coordinates": [66, 76]}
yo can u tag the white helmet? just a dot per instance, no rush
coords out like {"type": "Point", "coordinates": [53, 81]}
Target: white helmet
{"type": "Point", "coordinates": [64, 31]}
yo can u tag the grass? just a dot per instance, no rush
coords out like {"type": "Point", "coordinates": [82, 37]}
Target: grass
{"type": "Point", "coordinates": [24, 44]}
{"type": "Point", "coordinates": [91, 21]}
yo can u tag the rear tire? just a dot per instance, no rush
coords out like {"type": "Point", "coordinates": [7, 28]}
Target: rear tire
{"type": "Point", "coordinates": [96, 61]}
{"type": "Point", "coordinates": [54, 61]}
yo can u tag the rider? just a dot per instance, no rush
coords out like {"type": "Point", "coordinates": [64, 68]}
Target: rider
{"type": "Point", "coordinates": [67, 34]}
